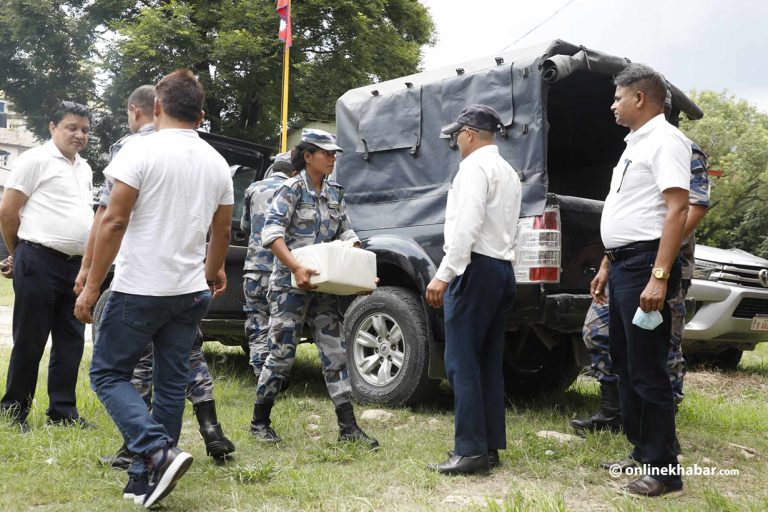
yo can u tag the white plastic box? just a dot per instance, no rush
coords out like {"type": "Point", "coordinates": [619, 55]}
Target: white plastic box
{"type": "Point", "coordinates": [344, 269]}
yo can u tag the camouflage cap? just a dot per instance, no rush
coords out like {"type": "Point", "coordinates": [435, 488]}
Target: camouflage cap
{"type": "Point", "coordinates": [283, 157]}
{"type": "Point", "coordinates": [321, 139]}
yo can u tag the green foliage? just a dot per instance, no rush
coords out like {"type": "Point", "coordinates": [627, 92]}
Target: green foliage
{"type": "Point", "coordinates": [48, 56]}
{"type": "Point", "coordinates": [97, 51]}
{"type": "Point", "coordinates": [735, 136]}
{"type": "Point", "coordinates": [232, 46]}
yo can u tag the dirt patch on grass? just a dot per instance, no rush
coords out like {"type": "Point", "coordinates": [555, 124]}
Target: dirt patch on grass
{"type": "Point", "coordinates": [731, 385]}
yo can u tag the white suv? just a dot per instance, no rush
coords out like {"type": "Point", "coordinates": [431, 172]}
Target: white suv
{"type": "Point", "coordinates": [727, 306]}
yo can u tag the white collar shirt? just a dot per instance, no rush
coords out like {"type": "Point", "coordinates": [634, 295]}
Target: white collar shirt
{"type": "Point", "coordinates": [657, 158]}
{"type": "Point", "coordinates": [482, 212]}
{"type": "Point", "coordinates": [58, 212]}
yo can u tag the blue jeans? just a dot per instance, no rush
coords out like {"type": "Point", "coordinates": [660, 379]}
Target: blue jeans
{"type": "Point", "coordinates": [477, 304]}
{"type": "Point", "coordinates": [129, 323]}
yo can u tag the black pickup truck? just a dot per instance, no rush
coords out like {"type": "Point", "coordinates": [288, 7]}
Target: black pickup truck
{"type": "Point", "coordinates": [562, 139]}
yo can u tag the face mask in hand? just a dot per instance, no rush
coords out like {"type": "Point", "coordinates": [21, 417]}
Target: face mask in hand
{"type": "Point", "coordinates": [648, 321]}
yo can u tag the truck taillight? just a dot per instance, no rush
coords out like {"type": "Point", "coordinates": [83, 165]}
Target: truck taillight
{"type": "Point", "coordinates": [537, 253]}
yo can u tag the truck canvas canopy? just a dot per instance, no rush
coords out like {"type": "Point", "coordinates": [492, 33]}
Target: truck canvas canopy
{"type": "Point", "coordinates": [560, 136]}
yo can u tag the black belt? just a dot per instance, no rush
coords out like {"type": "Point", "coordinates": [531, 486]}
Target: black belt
{"type": "Point", "coordinates": [56, 253]}
{"type": "Point", "coordinates": [625, 251]}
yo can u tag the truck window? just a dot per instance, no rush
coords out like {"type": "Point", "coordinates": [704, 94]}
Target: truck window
{"type": "Point", "coordinates": [242, 177]}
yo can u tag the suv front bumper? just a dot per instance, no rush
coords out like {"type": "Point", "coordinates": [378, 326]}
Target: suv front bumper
{"type": "Point", "coordinates": [719, 321]}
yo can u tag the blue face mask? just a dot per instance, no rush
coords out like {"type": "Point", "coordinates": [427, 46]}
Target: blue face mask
{"type": "Point", "coordinates": [648, 321]}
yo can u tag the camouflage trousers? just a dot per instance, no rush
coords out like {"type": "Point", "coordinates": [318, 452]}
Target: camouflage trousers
{"type": "Point", "coordinates": [595, 333]}
{"type": "Point", "coordinates": [257, 318]}
{"type": "Point", "coordinates": [288, 312]}
{"type": "Point", "coordinates": [199, 386]}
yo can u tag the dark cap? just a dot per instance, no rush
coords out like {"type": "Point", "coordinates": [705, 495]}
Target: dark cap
{"type": "Point", "coordinates": [480, 117]}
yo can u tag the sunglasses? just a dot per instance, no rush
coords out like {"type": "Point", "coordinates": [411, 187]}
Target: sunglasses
{"type": "Point", "coordinates": [455, 135]}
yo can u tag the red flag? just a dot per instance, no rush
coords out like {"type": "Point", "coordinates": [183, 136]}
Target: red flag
{"type": "Point", "coordinates": [284, 11]}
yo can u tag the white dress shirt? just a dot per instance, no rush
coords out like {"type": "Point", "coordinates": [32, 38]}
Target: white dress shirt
{"type": "Point", "coordinates": [59, 209]}
{"type": "Point", "coordinates": [657, 158]}
{"type": "Point", "coordinates": [482, 212]}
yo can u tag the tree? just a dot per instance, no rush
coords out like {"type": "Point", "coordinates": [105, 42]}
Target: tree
{"type": "Point", "coordinates": [232, 46]}
{"type": "Point", "coordinates": [734, 134]}
{"type": "Point", "coordinates": [97, 51]}
{"type": "Point", "coordinates": [47, 57]}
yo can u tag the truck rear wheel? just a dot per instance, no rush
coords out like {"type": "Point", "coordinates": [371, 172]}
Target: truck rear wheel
{"type": "Point", "coordinates": [531, 369]}
{"type": "Point", "coordinates": [388, 347]}
{"type": "Point", "coordinates": [98, 311]}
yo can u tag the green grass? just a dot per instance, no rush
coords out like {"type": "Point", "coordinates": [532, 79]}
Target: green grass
{"type": "Point", "coordinates": [56, 468]}
{"type": "Point", "coordinates": [6, 292]}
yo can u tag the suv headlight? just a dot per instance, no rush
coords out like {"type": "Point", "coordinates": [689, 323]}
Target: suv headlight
{"type": "Point", "coordinates": [704, 270]}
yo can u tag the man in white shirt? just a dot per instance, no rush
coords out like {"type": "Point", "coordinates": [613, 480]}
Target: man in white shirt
{"type": "Point", "coordinates": [475, 284]}
{"type": "Point", "coordinates": [45, 217]}
{"type": "Point", "coordinates": [170, 188]}
{"type": "Point", "coordinates": [642, 227]}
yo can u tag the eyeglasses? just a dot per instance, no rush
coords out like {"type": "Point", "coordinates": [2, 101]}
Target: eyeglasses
{"type": "Point", "coordinates": [455, 135]}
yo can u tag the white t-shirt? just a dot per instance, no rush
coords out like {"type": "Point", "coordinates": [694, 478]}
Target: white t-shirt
{"type": "Point", "coordinates": [482, 212]}
{"type": "Point", "coordinates": [58, 213]}
{"type": "Point", "coordinates": [181, 181]}
{"type": "Point", "coordinates": [657, 158]}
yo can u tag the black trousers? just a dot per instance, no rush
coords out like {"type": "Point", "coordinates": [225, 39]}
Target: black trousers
{"type": "Point", "coordinates": [640, 360]}
{"type": "Point", "coordinates": [44, 304]}
{"type": "Point", "coordinates": [477, 304]}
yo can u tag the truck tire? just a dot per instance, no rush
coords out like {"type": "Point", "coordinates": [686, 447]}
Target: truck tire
{"type": "Point", "coordinates": [531, 370]}
{"type": "Point", "coordinates": [98, 311]}
{"type": "Point", "coordinates": [388, 347]}
{"type": "Point", "coordinates": [727, 360]}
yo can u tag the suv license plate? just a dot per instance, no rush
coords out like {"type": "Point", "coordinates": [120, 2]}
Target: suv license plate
{"type": "Point", "coordinates": [760, 323]}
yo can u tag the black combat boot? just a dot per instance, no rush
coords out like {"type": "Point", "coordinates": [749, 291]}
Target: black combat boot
{"type": "Point", "coordinates": [348, 429]}
{"type": "Point", "coordinates": [608, 417]}
{"type": "Point", "coordinates": [216, 443]}
{"type": "Point", "coordinates": [261, 426]}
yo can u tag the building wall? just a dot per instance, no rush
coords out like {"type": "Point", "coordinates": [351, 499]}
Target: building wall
{"type": "Point", "coordinates": [14, 136]}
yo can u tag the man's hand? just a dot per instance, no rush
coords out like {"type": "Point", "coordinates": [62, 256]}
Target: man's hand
{"type": "Point", "coordinates": [597, 286]}
{"type": "Point", "coordinates": [654, 295]}
{"type": "Point", "coordinates": [84, 305]}
{"type": "Point", "coordinates": [80, 280]}
{"type": "Point", "coordinates": [303, 276]}
{"type": "Point", "coordinates": [6, 267]}
{"type": "Point", "coordinates": [435, 291]}
{"type": "Point", "coordinates": [219, 285]}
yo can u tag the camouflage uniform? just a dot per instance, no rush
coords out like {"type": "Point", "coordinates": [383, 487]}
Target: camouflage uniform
{"type": "Point", "coordinates": [595, 331]}
{"type": "Point", "coordinates": [106, 188]}
{"type": "Point", "coordinates": [200, 385]}
{"type": "Point", "coordinates": [698, 195]}
{"type": "Point", "coordinates": [303, 217]}
{"type": "Point", "coordinates": [258, 268]}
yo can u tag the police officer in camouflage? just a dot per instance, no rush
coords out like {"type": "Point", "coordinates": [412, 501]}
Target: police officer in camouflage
{"type": "Point", "coordinates": [200, 387]}
{"type": "Point", "coordinates": [306, 210]}
{"type": "Point", "coordinates": [259, 261]}
{"type": "Point", "coordinates": [595, 331]}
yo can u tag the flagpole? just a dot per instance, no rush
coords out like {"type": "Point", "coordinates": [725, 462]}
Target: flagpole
{"type": "Point", "coordinates": [286, 71]}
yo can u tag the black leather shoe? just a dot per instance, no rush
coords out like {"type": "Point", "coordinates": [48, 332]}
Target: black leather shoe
{"type": "Point", "coordinates": [120, 460]}
{"type": "Point", "coordinates": [458, 465]}
{"type": "Point", "coordinates": [493, 457]}
{"type": "Point", "coordinates": [23, 426]}
{"type": "Point", "coordinates": [650, 487]}
{"type": "Point", "coordinates": [624, 464]}
{"type": "Point", "coordinates": [71, 422]}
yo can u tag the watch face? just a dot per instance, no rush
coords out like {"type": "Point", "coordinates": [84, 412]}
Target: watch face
{"type": "Point", "coordinates": [658, 273]}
